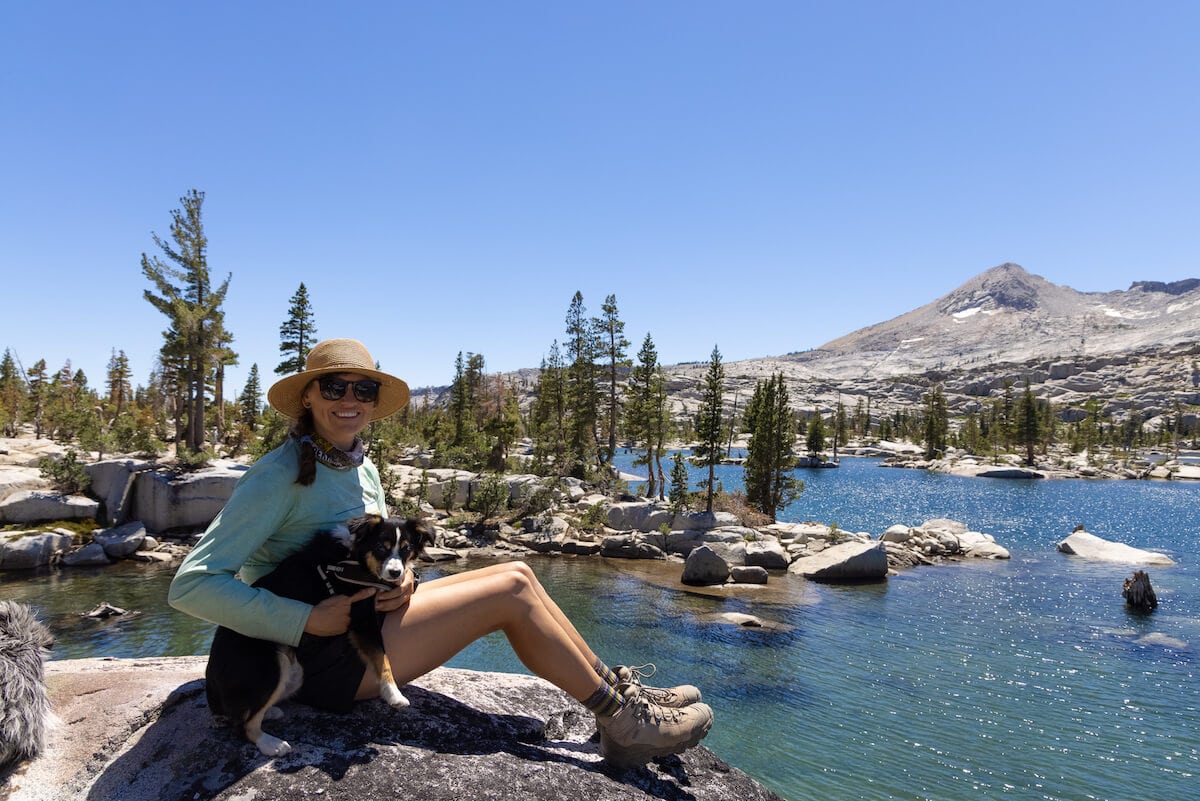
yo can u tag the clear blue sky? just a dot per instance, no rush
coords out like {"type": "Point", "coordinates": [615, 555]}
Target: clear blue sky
{"type": "Point", "coordinates": [443, 176]}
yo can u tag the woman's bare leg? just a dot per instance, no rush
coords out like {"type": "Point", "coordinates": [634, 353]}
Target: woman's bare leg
{"type": "Point", "coordinates": [448, 614]}
{"type": "Point", "coordinates": [563, 621]}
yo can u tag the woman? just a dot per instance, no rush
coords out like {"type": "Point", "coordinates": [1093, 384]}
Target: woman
{"type": "Point", "coordinates": [318, 478]}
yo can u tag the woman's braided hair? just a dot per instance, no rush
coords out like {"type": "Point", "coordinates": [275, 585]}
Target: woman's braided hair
{"type": "Point", "coordinates": [303, 431]}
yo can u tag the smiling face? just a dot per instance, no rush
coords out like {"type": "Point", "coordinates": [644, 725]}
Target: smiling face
{"type": "Point", "coordinates": [338, 421]}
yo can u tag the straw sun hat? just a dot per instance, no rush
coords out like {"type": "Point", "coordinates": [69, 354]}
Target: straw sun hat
{"type": "Point", "coordinates": [338, 356]}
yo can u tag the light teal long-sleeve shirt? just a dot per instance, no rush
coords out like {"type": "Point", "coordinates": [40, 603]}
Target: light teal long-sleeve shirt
{"type": "Point", "coordinates": [267, 518]}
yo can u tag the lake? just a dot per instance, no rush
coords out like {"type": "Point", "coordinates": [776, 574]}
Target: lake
{"type": "Point", "coordinates": [1022, 679]}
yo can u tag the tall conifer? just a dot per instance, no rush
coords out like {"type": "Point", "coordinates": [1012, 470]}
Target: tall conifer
{"type": "Point", "coordinates": [297, 334]}
{"type": "Point", "coordinates": [194, 341]}
{"type": "Point", "coordinates": [769, 460]}
{"type": "Point", "coordinates": [710, 429]}
{"type": "Point", "coordinates": [582, 395]}
{"type": "Point", "coordinates": [613, 344]}
{"type": "Point", "coordinates": [646, 414]}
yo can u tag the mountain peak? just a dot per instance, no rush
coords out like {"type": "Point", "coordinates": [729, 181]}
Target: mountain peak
{"type": "Point", "coordinates": [1009, 314]}
{"type": "Point", "coordinates": [1008, 287]}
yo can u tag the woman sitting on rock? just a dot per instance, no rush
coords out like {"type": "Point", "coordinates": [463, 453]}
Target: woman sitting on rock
{"type": "Point", "coordinates": [319, 478]}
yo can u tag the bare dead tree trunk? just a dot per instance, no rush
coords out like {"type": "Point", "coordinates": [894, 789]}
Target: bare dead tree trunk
{"type": "Point", "coordinates": [1138, 592]}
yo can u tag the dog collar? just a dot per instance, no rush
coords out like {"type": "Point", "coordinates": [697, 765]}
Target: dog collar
{"type": "Point", "coordinates": [350, 572]}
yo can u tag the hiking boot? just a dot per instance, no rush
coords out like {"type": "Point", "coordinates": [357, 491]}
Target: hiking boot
{"type": "Point", "coordinates": [642, 730]}
{"type": "Point", "coordinates": [676, 697]}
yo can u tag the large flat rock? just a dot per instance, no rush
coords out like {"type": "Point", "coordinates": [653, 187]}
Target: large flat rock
{"type": "Point", "coordinates": [1088, 546]}
{"type": "Point", "coordinates": [139, 730]}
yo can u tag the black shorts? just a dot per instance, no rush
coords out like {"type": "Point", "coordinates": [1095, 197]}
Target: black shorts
{"type": "Point", "coordinates": [333, 671]}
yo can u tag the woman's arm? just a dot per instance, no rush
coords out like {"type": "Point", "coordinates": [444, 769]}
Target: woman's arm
{"type": "Point", "coordinates": [206, 585]}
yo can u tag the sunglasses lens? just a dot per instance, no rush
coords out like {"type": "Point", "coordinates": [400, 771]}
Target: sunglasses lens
{"type": "Point", "coordinates": [366, 391]}
{"type": "Point", "coordinates": [335, 388]}
{"type": "Point", "coordinates": [332, 388]}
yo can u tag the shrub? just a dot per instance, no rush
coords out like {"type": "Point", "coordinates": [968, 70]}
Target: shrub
{"type": "Point", "coordinates": [538, 498]}
{"type": "Point", "coordinates": [405, 507]}
{"type": "Point", "coordinates": [736, 503]}
{"type": "Point", "coordinates": [490, 498]}
{"type": "Point", "coordinates": [594, 518]}
{"type": "Point", "coordinates": [66, 474]}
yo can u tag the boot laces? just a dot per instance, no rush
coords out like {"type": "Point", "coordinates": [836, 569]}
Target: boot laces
{"type": "Point", "coordinates": [645, 708]}
{"type": "Point", "coordinates": [639, 673]}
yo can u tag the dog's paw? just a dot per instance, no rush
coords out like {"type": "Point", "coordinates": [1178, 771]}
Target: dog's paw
{"type": "Point", "coordinates": [393, 696]}
{"type": "Point", "coordinates": [273, 746]}
{"type": "Point", "coordinates": [274, 713]}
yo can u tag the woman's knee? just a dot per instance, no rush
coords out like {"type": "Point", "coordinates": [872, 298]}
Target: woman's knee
{"type": "Point", "coordinates": [522, 569]}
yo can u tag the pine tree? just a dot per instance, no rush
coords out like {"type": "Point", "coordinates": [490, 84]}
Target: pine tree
{"type": "Point", "coordinates": [710, 429]}
{"type": "Point", "coordinates": [969, 435]}
{"type": "Point", "coordinates": [458, 399]}
{"type": "Point", "coordinates": [815, 438]}
{"type": "Point", "coordinates": [839, 426]}
{"type": "Point", "coordinates": [548, 415]}
{"type": "Point", "coordinates": [120, 393]}
{"type": "Point", "coordinates": [194, 342]}
{"type": "Point", "coordinates": [503, 424]}
{"type": "Point", "coordinates": [769, 460]}
{"type": "Point", "coordinates": [660, 431]}
{"type": "Point", "coordinates": [250, 401]}
{"type": "Point", "coordinates": [646, 417]}
{"type": "Point", "coordinates": [12, 395]}
{"type": "Point", "coordinates": [1028, 423]}
{"type": "Point", "coordinates": [582, 395]}
{"type": "Point", "coordinates": [39, 390]}
{"type": "Point", "coordinates": [936, 423]}
{"type": "Point", "coordinates": [297, 334]}
{"type": "Point", "coordinates": [612, 344]}
{"type": "Point", "coordinates": [679, 485]}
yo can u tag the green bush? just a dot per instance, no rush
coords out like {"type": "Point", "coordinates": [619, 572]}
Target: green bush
{"type": "Point", "coordinates": [594, 518]}
{"type": "Point", "coordinates": [538, 498]}
{"type": "Point", "coordinates": [66, 474]}
{"type": "Point", "coordinates": [490, 497]}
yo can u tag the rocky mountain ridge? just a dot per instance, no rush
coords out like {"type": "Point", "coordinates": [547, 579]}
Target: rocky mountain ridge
{"type": "Point", "coordinates": [1132, 350]}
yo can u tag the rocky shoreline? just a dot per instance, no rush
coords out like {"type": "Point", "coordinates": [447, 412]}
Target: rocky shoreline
{"type": "Point", "coordinates": [156, 514]}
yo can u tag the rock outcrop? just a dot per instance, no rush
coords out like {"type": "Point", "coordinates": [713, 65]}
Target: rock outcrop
{"type": "Point", "coordinates": [1088, 546]}
{"type": "Point", "coordinates": [848, 561]}
{"type": "Point", "coordinates": [32, 506]}
{"type": "Point", "coordinates": [139, 730]}
{"type": "Point", "coordinates": [25, 551]}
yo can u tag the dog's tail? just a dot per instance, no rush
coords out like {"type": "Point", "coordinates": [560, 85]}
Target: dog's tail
{"type": "Point", "coordinates": [25, 714]}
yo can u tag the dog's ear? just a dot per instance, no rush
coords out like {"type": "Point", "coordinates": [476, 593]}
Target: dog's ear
{"type": "Point", "coordinates": [419, 533]}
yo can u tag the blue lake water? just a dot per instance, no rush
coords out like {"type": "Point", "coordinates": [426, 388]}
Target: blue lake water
{"type": "Point", "coordinates": [1022, 679]}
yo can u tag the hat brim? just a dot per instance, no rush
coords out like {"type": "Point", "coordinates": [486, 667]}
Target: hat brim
{"type": "Point", "coordinates": [285, 394]}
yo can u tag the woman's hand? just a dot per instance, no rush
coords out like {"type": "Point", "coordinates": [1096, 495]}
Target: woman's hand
{"type": "Point", "coordinates": [332, 616]}
{"type": "Point", "coordinates": [398, 596]}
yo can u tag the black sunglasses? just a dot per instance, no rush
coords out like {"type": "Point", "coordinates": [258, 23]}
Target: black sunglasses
{"type": "Point", "coordinates": [334, 388]}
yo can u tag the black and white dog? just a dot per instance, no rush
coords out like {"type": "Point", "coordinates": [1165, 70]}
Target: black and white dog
{"type": "Point", "coordinates": [246, 677]}
{"type": "Point", "coordinates": [24, 706]}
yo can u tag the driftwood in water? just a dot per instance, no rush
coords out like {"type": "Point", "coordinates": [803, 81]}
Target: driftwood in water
{"type": "Point", "coordinates": [1138, 592]}
{"type": "Point", "coordinates": [104, 610]}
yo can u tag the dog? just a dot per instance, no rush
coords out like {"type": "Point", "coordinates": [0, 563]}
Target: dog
{"type": "Point", "coordinates": [247, 677]}
{"type": "Point", "coordinates": [24, 705]}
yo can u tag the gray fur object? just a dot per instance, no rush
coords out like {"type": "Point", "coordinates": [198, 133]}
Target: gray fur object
{"type": "Point", "coordinates": [24, 706]}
